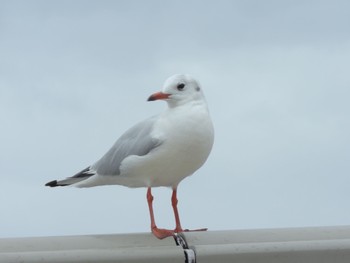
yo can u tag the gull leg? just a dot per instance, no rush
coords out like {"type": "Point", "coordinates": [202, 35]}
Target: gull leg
{"type": "Point", "coordinates": [174, 202]}
{"type": "Point", "coordinates": [158, 232]}
{"type": "Point", "coordinates": [178, 227]}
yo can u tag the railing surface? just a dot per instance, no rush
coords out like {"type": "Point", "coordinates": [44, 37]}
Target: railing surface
{"type": "Point", "coordinates": [316, 244]}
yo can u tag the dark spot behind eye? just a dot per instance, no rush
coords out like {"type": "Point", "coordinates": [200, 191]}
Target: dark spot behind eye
{"type": "Point", "coordinates": [198, 89]}
{"type": "Point", "coordinates": [180, 86]}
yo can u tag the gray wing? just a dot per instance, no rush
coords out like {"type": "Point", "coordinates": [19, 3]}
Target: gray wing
{"type": "Point", "coordinates": [135, 141]}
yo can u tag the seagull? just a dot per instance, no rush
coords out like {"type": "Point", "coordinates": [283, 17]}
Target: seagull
{"type": "Point", "coordinates": [158, 152]}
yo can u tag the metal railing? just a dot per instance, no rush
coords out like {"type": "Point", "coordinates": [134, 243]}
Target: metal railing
{"type": "Point", "coordinates": [317, 244]}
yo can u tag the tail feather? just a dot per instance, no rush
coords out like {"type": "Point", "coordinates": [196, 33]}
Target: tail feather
{"type": "Point", "coordinates": [81, 176]}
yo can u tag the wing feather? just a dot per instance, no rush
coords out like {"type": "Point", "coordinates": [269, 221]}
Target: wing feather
{"type": "Point", "coordinates": [135, 141]}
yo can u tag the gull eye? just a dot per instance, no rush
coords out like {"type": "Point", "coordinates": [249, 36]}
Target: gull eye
{"type": "Point", "coordinates": [180, 86]}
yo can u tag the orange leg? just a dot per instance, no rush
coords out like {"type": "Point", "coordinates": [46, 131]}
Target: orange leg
{"type": "Point", "coordinates": [174, 202]}
{"type": "Point", "coordinates": [158, 232]}
{"type": "Point", "coordinates": [178, 227]}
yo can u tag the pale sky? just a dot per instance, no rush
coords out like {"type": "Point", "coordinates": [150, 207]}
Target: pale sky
{"type": "Point", "coordinates": [74, 75]}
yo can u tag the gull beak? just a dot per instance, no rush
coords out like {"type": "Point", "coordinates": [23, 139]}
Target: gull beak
{"type": "Point", "coordinates": [158, 96]}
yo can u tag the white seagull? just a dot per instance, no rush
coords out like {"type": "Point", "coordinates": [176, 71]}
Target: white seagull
{"type": "Point", "coordinates": [159, 151]}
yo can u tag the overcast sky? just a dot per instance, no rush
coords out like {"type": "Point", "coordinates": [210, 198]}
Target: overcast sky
{"type": "Point", "coordinates": [74, 75]}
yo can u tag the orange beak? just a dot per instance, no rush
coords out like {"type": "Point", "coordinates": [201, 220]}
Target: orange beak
{"type": "Point", "coordinates": [158, 96]}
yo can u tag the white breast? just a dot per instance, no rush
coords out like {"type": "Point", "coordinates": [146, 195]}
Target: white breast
{"type": "Point", "coordinates": [187, 134]}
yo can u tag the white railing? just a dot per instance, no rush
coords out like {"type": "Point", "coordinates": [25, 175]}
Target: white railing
{"type": "Point", "coordinates": [317, 244]}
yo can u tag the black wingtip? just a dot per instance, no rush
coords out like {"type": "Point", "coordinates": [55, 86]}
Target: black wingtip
{"type": "Point", "coordinates": [52, 183]}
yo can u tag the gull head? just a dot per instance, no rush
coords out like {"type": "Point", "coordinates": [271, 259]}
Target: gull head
{"type": "Point", "coordinates": [179, 89]}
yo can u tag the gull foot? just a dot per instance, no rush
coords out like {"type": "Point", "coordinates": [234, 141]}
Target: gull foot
{"type": "Point", "coordinates": [161, 233]}
{"type": "Point", "coordinates": [190, 230]}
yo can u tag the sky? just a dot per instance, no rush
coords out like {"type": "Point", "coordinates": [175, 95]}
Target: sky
{"type": "Point", "coordinates": [74, 75]}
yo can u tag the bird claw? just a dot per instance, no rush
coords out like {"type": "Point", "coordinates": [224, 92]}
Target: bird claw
{"type": "Point", "coordinates": [161, 233]}
{"type": "Point", "coordinates": [190, 230]}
